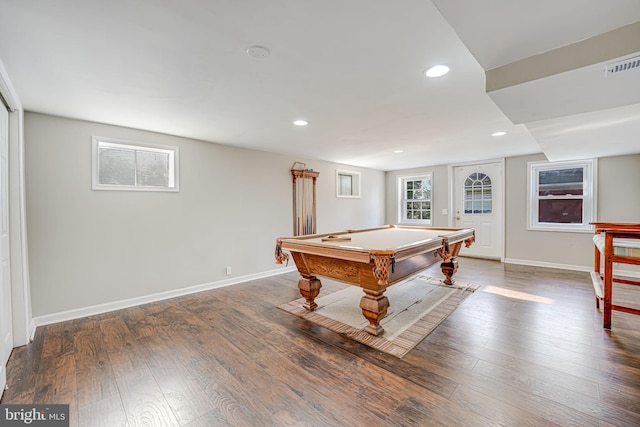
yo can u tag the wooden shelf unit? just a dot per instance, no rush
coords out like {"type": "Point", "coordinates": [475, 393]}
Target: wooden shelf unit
{"type": "Point", "coordinates": [608, 243]}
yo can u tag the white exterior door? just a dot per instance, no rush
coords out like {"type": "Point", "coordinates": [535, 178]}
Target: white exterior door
{"type": "Point", "coordinates": [6, 337]}
{"type": "Point", "coordinates": [478, 192]}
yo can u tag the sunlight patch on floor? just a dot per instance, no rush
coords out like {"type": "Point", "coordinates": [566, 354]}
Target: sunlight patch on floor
{"type": "Point", "coordinates": [517, 295]}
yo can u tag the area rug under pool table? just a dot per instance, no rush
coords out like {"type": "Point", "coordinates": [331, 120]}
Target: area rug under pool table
{"type": "Point", "coordinates": [416, 306]}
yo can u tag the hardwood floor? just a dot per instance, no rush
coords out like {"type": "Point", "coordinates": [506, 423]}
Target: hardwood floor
{"type": "Point", "coordinates": [527, 349]}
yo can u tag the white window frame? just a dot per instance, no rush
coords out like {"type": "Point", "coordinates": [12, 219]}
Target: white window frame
{"type": "Point", "coordinates": [589, 177]}
{"type": "Point", "coordinates": [355, 184]}
{"type": "Point", "coordinates": [401, 180]}
{"type": "Point", "coordinates": [172, 152]}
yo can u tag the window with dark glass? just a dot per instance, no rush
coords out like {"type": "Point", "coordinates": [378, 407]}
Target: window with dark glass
{"type": "Point", "coordinates": [562, 195]}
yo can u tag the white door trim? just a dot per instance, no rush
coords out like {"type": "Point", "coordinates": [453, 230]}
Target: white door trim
{"type": "Point", "coordinates": [6, 317]}
{"type": "Point", "coordinates": [451, 191]}
{"type": "Point", "coordinates": [23, 326]}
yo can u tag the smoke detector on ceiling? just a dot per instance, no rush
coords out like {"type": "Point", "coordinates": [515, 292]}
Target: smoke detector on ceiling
{"type": "Point", "coordinates": [620, 66]}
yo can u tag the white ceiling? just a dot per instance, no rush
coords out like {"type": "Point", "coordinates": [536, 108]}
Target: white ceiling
{"type": "Point", "coordinates": [354, 69]}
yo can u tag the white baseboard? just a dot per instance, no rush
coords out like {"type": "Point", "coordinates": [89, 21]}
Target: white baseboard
{"type": "Point", "coordinates": [621, 272]}
{"type": "Point", "coordinates": [32, 330]}
{"type": "Point", "coordinates": [616, 268]}
{"type": "Point", "coordinates": [131, 302]}
{"type": "Point", "coordinates": [548, 264]}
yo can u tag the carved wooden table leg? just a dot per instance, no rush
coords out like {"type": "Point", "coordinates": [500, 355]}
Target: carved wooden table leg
{"type": "Point", "coordinates": [449, 268]}
{"type": "Point", "coordinates": [374, 304]}
{"type": "Point", "coordinates": [309, 289]}
{"type": "Point", "coordinates": [374, 307]}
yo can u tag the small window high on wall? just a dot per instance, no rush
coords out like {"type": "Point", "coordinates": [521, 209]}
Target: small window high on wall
{"type": "Point", "coordinates": [562, 195]}
{"type": "Point", "coordinates": [347, 184]}
{"type": "Point", "coordinates": [125, 165]}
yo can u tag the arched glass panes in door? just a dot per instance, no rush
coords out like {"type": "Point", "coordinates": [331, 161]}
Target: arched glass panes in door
{"type": "Point", "coordinates": [478, 194]}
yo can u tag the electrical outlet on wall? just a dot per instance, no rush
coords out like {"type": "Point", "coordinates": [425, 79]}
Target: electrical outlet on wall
{"type": "Point", "coordinates": [229, 271]}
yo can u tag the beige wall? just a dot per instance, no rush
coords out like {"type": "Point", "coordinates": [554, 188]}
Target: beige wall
{"type": "Point", "coordinates": [94, 247]}
{"type": "Point", "coordinates": [565, 249]}
{"type": "Point", "coordinates": [440, 192]}
{"type": "Point", "coordinates": [618, 200]}
{"type": "Point", "coordinates": [619, 189]}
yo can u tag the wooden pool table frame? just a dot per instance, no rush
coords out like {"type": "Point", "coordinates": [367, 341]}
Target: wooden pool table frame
{"type": "Point", "coordinates": [371, 269]}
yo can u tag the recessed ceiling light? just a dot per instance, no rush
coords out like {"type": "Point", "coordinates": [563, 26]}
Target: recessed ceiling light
{"type": "Point", "coordinates": [398, 151]}
{"type": "Point", "coordinates": [499, 133]}
{"type": "Point", "coordinates": [258, 52]}
{"type": "Point", "coordinates": [437, 71]}
{"type": "Point", "coordinates": [300, 122]}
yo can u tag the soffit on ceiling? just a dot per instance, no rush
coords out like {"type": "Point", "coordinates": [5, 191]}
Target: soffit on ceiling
{"type": "Point", "coordinates": [355, 71]}
{"type": "Point", "coordinates": [545, 68]}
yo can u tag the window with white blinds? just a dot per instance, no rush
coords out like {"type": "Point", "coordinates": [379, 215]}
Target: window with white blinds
{"type": "Point", "coordinates": [125, 165]}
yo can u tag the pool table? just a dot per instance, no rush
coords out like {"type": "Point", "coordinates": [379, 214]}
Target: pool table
{"type": "Point", "coordinates": [373, 259]}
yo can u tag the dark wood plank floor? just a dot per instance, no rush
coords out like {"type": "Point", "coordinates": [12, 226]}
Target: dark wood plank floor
{"type": "Point", "coordinates": [527, 349]}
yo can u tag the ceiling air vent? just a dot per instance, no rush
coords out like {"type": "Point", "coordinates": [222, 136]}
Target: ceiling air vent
{"type": "Point", "coordinates": [620, 66]}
